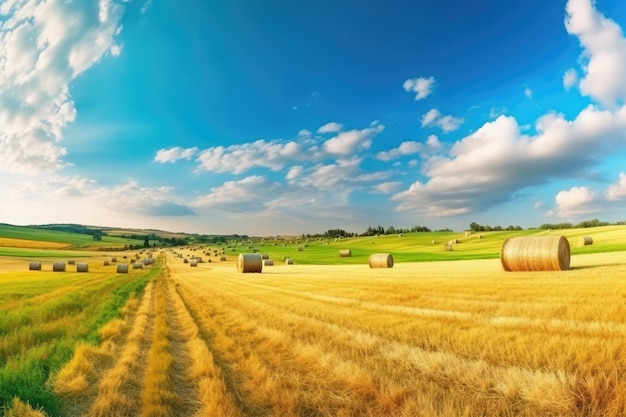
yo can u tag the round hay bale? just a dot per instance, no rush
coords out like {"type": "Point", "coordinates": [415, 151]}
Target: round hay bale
{"type": "Point", "coordinates": [137, 265]}
{"type": "Point", "coordinates": [535, 253]}
{"type": "Point", "coordinates": [434, 242]}
{"type": "Point", "coordinates": [185, 260]}
{"type": "Point", "coordinates": [222, 258]}
{"type": "Point", "coordinates": [148, 261]}
{"type": "Point", "coordinates": [113, 259]}
{"type": "Point", "coordinates": [58, 267]}
{"type": "Point", "coordinates": [106, 263]}
{"type": "Point", "coordinates": [345, 253]}
{"type": "Point", "coordinates": [300, 249]}
{"type": "Point", "coordinates": [586, 240]}
{"type": "Point", "coordinates": [82, 267]}
{"type": "Point", "coordinates": [34, 266]}
{"type": "Point", "coordinates": [288, 261]}
{"type": "Point", "coordinates": [193, 262]}
{"type": "Point", "coordinates": [268, 262]}
{"type": "Point", "coordinates": [71, 262]}
{"type": "Point", "coordinates": [381, 260]}
{"type": "Point", "coordinates": [122, 268]}
{"type": "Point", "coordinates": [448, 247]}
{"type": "Point", "coordinates": [249, 262]}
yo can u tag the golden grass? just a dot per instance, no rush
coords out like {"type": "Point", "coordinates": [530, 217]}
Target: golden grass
{"type": "Point", "coordinates": [30, 244]}
{"type": "Point", "coordinates": [21, 409]}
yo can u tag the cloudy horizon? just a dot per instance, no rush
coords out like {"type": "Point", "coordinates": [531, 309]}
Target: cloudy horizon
{"type": "Point", "coordinates": [259, 120]}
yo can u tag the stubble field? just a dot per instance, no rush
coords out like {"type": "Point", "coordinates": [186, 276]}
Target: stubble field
{"type": "Point", "coordinates": [454, 338]}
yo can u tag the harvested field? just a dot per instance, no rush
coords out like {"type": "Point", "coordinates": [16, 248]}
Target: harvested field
{"type": "Point", "coordinates": [462, 338]}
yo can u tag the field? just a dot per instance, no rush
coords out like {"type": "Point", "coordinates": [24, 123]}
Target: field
{"type": "Point", "coordinates": [431, 338]}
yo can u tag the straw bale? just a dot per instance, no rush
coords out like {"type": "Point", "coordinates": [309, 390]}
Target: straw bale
{"type": "Point", "coordinates": [222, 258]}
{"type": "Point", "coordinates": [288, 261]}
{"type": "Point", "coordinates": [58, 267]}
{"type": "Point", "coordinates": [381, 260]}
{"type": "Point", "coordinates": [268, 262]}
{"type": "Point", "coordinates": [113, 259]}
{"type": "Point", "coordinates": [586, 240]}
{"type": "Point", "coordinates": [345, 253]}
{"type": "Point", "coordinates": [137, 265]}
{"type": "Point", "coordinates": [265, 255]}
{"type": "Point", "coordinates": [34, 266]}
{"type": "Point", "coordinates": [122, 268]}
{"type": "Point", "coordinates": [249, 262]}
{"type": "Point", "coordinates": [193, 262]}
{"type": "Point", "coordinates": [106, 263]}
{"type": "Point", "coordinates": [535, 253]}
{"type": "Point", "coordinates": [82, 267]}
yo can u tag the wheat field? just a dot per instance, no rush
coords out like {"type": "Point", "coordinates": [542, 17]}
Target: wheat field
{"type": "Point", "coordinates": [459, 338]}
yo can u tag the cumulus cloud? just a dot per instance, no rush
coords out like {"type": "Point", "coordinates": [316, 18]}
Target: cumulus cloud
{"type": "Point", "coordinates": [617, 190]}
{"type": "Point", "coordinates": [489, 166]}
{"type": "Point", "coordinates": [528, 93]}
{"type": "Point", "coordinates": [575, 201]}
{"type": "Point", "coordinates": [331, 127]}
{"type": "Point", "coordinates": [421, 86]}
{"type": "Point", "coordinates": [352, 141]}
{"type": "Point", "coordinates": [447, 123]}
{"type": "Point", "coordinates": [405, 148]}
{"type": "Point", "coordinates": [43, 47]}
{"type": "Point", "coordinates": [570, 78]}
{"type": "Point", "coordinates": [604, 52]}
{"type": "Point", "coordinates": [248, 194]}
{"type": "Point", "coordinates": [172, 155]}
{"type": "Point", "coordinates": [388, 187]}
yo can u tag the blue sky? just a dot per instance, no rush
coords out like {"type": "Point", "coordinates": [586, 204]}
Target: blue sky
{"type": "Point", "coordinates": [286, 117]}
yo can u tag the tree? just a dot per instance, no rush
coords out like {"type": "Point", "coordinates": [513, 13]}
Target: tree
{"type": "Point", "coordinates": [474, 227]}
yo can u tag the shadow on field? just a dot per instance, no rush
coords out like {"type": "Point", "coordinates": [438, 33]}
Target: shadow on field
{"type": "Point", "coordinates": [574, 268]}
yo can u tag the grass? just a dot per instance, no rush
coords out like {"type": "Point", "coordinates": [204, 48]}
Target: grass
{"type": "Point", "coordinates": [44, 315]}
{"type": "Point", "coordinates": [418, 247]}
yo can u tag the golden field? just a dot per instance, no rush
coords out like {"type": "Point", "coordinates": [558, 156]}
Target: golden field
{"type": "Point", "coordinates": [432, 339]}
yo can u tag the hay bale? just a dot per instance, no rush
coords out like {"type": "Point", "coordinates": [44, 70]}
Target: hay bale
{"type": "Point", "coordinates": [137, 265]}
{"type": "Point", "coordinates": [148, 261]}
{"type": "Point", "coordinates": [265, 255]}
{"type": "Point", "coordinates": [114, 259]}
{"type": "Point", "coordinates": [222, 258]}
{"type": "Point", "coordinates": [185, 260]}
{"type": "Point", "coordinates": [345, 253]}
{"type": "Point", "coordinates": [58, 267]}
{"type": "Point", "coordinates": [535, 253]}
{"type": "Point", "coordinates": [193, 262]}
{"type": "Point", "coordinates": [586, 240]}
{"type": "Point", "coordinates": [381, 260]}
{"type": "Point", "coordinates": [34, 266]}
{"type": "Point", "coordinates": [434, 242]}
{"type": "Point", "coordinates": [82, 267]}
{"type": "Point", "coordinates": [106, 263]}
{"type": "Point", "coordinates": [249, 262]}
{"type": "Point", "coordinates": [448, 247]}
{"type": "Point", "coordinates": [268, 262]}
{"type": "Point", "coordinates": [300, 249]}
{"type": "Point", "coordinates": [122, 268]}
{"type": "Point", "coordinates": [71, 262]}
{"type": "Point", "coordinates": [288, 261]}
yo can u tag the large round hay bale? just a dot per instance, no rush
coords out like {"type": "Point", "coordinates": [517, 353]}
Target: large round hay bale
{"type": "Point", "coordinates": [223, 258]}
{"type": "Point", "coordinates": [586, 240]}
{"type": "Point", "coordinates": [268, 262]}
{"type": "Point", "coordinates": [58, 267]}
{"type": "Point", "coordinates": [71, 262]}
{"type": "Point", "coordinates": [288, 261]}
{"type": "Point", "coordinates": [82, 267]}
{"type": "Point", "coordinates": [137, 265]}
{"type": "Point", "coordinates": [193, 262]}
{"type": "Point", "coordinates": [249, 262]}
{"type": "Point", "coordinates": [106, 263]}
{"type": "Point", "coordinates": [345, 253]}
{"type": "Point", "coordinates": [447, 247]}
{"type": "Point", "coordinates": [122, 268]}
{"type": "Point", "coordinates": [114, 259]}
{"type": "Point", "coordinates": [381, 260]}
{"type": "Point", "coordinates": [34, 266]}
{"type": "Point", "coordinates": [535, 253]}
{"type": "Point", "coordinates": [265, 255]}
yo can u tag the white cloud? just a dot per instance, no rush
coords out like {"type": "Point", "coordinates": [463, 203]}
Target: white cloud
{"type": "Point", "coordinates": [489, 166]}
{"type": "Point", "coordinates": [331, 127]}
{"type": "Point", "coordinates": [575, 201]}
{"type": "Point", "coordinates": [433, 143]}
{"type": "Point", "coordinates": [528, 92]}
{"type": "Point", "coordinates": [43, 47]}
{"type": "Point", "coordinates": [174, 154]}
{"type": "Point", "coordinates": [248, 194]}
{"type": "Point", "coordinates": [446, 123]}
{"type": "Point", "coordinates": [604, 53]}
{"type": "Point", "coordinates": [388, 187]}
{"type": "Point", "coordinates": [405, 148]}
{"type": "Point", "coordinates": [421, 86]}
{"type": "Point", "coordinates": [494, 112]}
{"type": "Point", "coordinates": [617, 190]}
{"type": "Point", "coordinates": [294, 172]}
{"type": "Point", "coordinates": [352, 141]}
{"type": "Point", "coordinates": [570, 78]}
{"type": "Point", "coordinates": [146, 6]}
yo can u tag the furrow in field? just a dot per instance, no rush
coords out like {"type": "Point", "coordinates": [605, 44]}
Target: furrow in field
{"type": "Point", "coordinates": [204, 387]}
{"type": "Point", "coordinates": [119, 389]}
{"type": "Point", "coordinates": [336, 351]}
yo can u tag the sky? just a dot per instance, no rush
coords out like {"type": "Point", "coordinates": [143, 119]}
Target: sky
{"type": "Point", "coordinates": [283, 117]}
